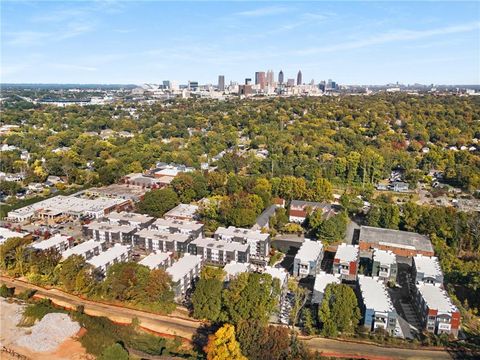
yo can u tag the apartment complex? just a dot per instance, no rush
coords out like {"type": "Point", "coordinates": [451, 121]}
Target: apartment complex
{"type": "Point", "coordinates": [184, 273]}
{"type": "Point", "coordinates": [161, 240]}
{"type": "Point", "coordinates": [427, 270]}
{"type": "Point", "coordinates": [220, 252]}
{"type": "Point", "coordinates": [322, 280]}
{"type": "Point", "coordinates": [191, 228]}
{"type": "Point", "coordinates": [117, 253]}
{"type": "Point", "coordinates": [86, 249]}
{"type": "Point", "coordinates": [308, 259]}
{"type": "Point", "coordinates": [259, 242]}
{"type": "Point", "coordinates": [110, 233]}
{"type": "Point", "coordinates": [57, 242]}
{"type": "Point", "coordinates": [157, 260]}
{"type": "Point", "coordinates": [139, 221]}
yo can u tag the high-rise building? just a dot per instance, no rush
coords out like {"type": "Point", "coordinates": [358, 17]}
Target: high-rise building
{"type": "Point", "coordinates": [280, 77]}
{"type": "Point", "coordinates": [299, 77]}
{"type": "Point", "coordinates": [291, 82]}
{"type": "Point", "coordinates": [248, 81]}
{"type": "Point", "coordinates": [193, 85]}
{"type": "Point", "coordinates": [166, 84]}
{"type": "Point", "coordinates": [260, 79]}
{"type": "Point", "coordinates": [270, 78]}
{"type": "Point", "coordinates": [221, 82]}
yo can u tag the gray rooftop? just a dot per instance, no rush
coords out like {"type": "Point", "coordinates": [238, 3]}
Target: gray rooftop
{"type": "Point", "coordinates": [220, 244]}
{"type": "Point", "coordinates": [395, 238]}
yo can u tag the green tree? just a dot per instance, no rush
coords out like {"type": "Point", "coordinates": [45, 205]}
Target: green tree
{"type": "Point", "coordinates": [322, 190]}
{"type": "Point", "coordinates": [207, 299]}
{"type": "Point", "coordinates": [339, 310]}
{"type": "Point", "coordinates": [158, 202]}
{"type": "Point", "coordinates": [223, 345]}
{"type": "Point", "coordinates": [114, 352]}
{"type": "Point", "coordinates": [69, 271]}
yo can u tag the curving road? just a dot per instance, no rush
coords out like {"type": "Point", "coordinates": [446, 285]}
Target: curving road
{"type": "Point", "coordinates": [186, 328]}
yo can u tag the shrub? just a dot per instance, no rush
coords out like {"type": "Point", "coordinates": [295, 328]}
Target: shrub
{"type": "Point", "coordinates": [6, 292]}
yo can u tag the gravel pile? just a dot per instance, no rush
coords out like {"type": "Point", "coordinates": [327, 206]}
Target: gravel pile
{"type": "Point", "coordinates": [50, 332]}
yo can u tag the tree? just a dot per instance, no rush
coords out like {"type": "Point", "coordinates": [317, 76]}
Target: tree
{"type": "Point", "coordinates": [158, 202]}
{"type": "Point", "coordinates": [8, 251]}
{"type": "Point", "coordinates": [339, 310]}
{"type": "Point", "coordinates": [212, 272]}
{"type": "Point", "coordinates": [114, 352]}
{"type": "Point", "coordinates": [322, 190]}
{"type": "Point", "coordinates": [250, 296]}
{"type": "Point", "coordinates": [69, 271]}
{"type": "Point", "coordinates": [207, 299]}
{"type": "Point", "coordinates": [300, 296]}
{"type": "Point", "coordinates": [223, 345]}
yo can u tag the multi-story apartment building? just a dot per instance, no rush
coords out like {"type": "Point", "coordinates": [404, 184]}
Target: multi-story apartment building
{"type": "Point", "coordinates": [57, 242]}
{"type": "Point", "coordinates": [384, 265]}
{"type": "Point", "coordinates": [86, 249]}
{"type": "Point", "coordinates": [157, 260]}
{"type": "Point", "coordinates": [184, 273]}
{"type": "Point", "coordinates": [191, 228]}
{"type": "Point", "coordinates": [220, 252]}
{"type": "Point", "coordinates": [436, 310]}
{"type": "Point", "coordinates": [117, 253]}
{"type": "Point", "coordinates": [427, 270]}
{"type": "Point", "coordinates": [259, 242]}
{"type": "Point", "coordinates": [376, 305]}
{"type": "Point", "coordinates": [161, 240]}
{"type": "Point", "coordinates": [345, 263]}
{"type": "Point", "coordinates": [139, 221]}
{"type": "Point", "coordinates": [110, 233]}
{"type": "Point", "coordinates": [308, 259]}
{"type": "Point", "coordinates": [322, 280]}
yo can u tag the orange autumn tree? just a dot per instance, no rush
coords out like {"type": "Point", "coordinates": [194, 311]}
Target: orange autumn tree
{"type": "Point", "coordinates": [223, 345]}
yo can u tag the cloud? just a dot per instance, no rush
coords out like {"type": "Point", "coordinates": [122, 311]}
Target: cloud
{"type": "Point", "coordinates": [265, 11]}
{"type": "Point", "coordinates": [394, 36]}
{"type": "Point", "coordinates": [26, 38]}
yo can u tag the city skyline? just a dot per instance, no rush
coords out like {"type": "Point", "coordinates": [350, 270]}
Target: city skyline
{"type": "Point", "coordinates": [125, 42]}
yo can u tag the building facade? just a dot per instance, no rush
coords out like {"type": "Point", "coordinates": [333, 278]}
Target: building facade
{"type": "Point", "coordinates": [384, 265]}
{"type": "Point", "coordinates": [308, 259]}
{"type": "Point", "coordinates": [184, 274]}
{"type": "Point", "coordinates": [220, 252]}
{"type": "Point", "coordinates": [345, 263]}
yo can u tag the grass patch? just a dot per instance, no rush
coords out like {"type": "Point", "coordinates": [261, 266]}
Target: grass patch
{"type": "Point", "coordinates": [36, 311]}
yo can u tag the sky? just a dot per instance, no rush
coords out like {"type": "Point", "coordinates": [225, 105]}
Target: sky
{"type": "Point", "coordinates": [135, 42]}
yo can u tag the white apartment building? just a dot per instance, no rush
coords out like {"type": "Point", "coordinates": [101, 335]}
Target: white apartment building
{"type": "Point", "coordinates": [157, 260]}
{"type": "Point", "coordinates": [57, 242]}
{"type": "Point", "coordinates": [184, 273]}
{"type": "Point", "coordinates": [86, 249]}
{"type": "Point", "coordinates": [117, 253]}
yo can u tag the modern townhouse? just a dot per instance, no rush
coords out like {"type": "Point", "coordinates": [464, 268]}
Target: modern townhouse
{"type": "Point", "coordinates": [376, 305]}
{"type": "Point", "coordinates": [259, 242]}
{"type": "Point", "coordinates": [426, 269]}
{"type": "Point", "coordinates": [346, 260]}
{"type": "Point", "coordinates": [308, 259]}
{"type": "Point", "coordinates": [437, 312]}
{"type": "Point", "coordinates": [384, 265]}
{"type": "Point", "coordinates": [322, 280]}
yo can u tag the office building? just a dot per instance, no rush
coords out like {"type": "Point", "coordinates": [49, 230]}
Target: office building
{"type": "Point", "coordinates": [117, 253]}
{"type": "Point", "coordinates": [157, 260]}
{"type": "Point", "coordinates": [291, 82]}
{"type": "Point", "coordinates": [193, 85]}
{"type": "Point", "coordinates": [299, 78]}
{"type": "Point", "coordinates": [270, 78]}
{"type": "Point", "coordinates": [427, 270]}
{"type": "Point", "coordinates": [260, 79]}
{"type": "Point", "coordinates": [384, 265]}
{"type": "Point", "coordinates": [322, 280]}
{"type": "Point", "coordinates": [280, 77]}
{"type": "Point", "coordinates": [437, 312]}
{"type": "Point", "coordinates": [259, 242]}
{"type": "Point", "coordinates": [184, 273]}
{"type": "Point", "coordinates": [376, 305]}
{"type": "Point", "coordinates": [220, 252]}
{"type": "Point", "coordinates": [248, 81]}
{"type": "Point", "coordinates": [86, 249]}
{"type": "Point", "coordinates": [345, 263]}
{"type": "Point", "coordinates": [308, 259]}
{"type": "Point", "coordinates": [245, 90]}
{"type": "Point", "coordinates": [221, 82]}
{"type": "Point", "coordinates": [402, 243]}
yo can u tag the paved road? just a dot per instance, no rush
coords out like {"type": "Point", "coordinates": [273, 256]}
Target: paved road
{"type": "Point", "coordinates": [187, 328]}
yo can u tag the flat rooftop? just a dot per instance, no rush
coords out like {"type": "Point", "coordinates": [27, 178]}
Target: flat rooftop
{"type": "Point", "coordinates": [55, 240]}
{"type": "Point", "coordinates": [276, 273]}
{"type": "Point", "coordinates": [323, 279]}
{"type": "Point", "coordinates": [6, 234]}
{"type": "Point", "coordinates": [347, 253]}
{"type": "Point", "coordinates": [182, 211]}
{"type": "Point", "coordinates": [309, 251]}
{"type": "Point", "coordinates": [220, 244]}
{"type": "Point", "coordinates": [183, 266]}
{"type": "Point", "coordinates": [129, 216]}
{"type": "Point", "coordinates": [374, 294]}
{"type": "Point", "coordinates": [162, 235]}
{"type": "Point", "coordinates": [427, 265]}
{"type": "Point", "coordinates": [124, 191]}
{"type": "Point", "coordinates": [82, 248]}
{"type": "Point", "coordinates": [155, 258]}
{"type": "Point", "coordinates": [233, 231]}
{"type": "Point", "coordinates": [384, 257]}
{"type": "Point", "coordinates": [436, 298]}
{"type": "Point", "coordinates": [178, 224]}
{"type": "Point", "coordinates": [395, 238]}
{"type": "Point", "coordinates": [109, 255]}
{"type": "Point", "coordinates": [114, 228]}
{"type": "Point", "coordinates": [234, 268]}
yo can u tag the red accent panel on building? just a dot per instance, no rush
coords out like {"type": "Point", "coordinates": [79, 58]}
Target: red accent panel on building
{"type": "Point", "coordinates": [455, 322]}
{"type": "Point", "coordinates": [353, 267]}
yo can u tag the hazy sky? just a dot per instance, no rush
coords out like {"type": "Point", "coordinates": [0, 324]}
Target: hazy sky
{"type": "Point", "coordinates": [150, 41]}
